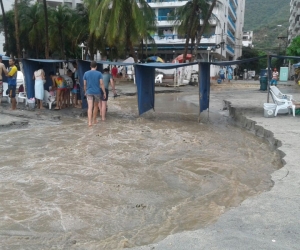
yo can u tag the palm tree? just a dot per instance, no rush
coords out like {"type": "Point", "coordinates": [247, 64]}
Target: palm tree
{"type": "Point", "coordinates": [32, 26]}
{"type": "Point", "coordinates": [188, 18]}
{"type": "Point", "coordinates": [17, 29]}
{"type": "Point", "coordinates": [4, 24]}
{"type": "Point", "coordinates": [207, 16]}
{"type": "Point", "coordinates": [123, 23]}
{"type": "Point", "coordinates": [46, 30]}
{"type": "Point", "coordinates": [59, 25]}
{"type": "Point", "coordinates": [78, 31]}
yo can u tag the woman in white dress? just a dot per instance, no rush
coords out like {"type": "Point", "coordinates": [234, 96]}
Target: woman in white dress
{"type": "Point", "coordinates": [39, 77]}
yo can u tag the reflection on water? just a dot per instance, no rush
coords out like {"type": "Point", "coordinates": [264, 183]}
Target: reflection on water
{"type": "Point", "coordinates": [129, 181]}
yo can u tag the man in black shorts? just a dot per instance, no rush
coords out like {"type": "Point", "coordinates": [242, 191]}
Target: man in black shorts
{"type": "Point", "coordinates": [107, 78]}
{"type": "Point", "coordinates": [93, 81]}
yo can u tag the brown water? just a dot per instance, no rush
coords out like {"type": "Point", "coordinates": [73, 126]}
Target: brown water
{"type": "Point", "coordinates": [126, 182]}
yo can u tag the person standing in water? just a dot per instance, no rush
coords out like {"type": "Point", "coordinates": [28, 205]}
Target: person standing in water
{"type": "Point", "coordinates": [58, 84]}
{"type": "Point", "coordinates": [107, 78]}
{"type": "Point", "coordinates": [229, 73]}
{"type": "Point", "coordinates": [39, 77]}
{"type": "Point", "coordinates": [12, 83]}
{"type": "Point", "coordinates": [92, 82]}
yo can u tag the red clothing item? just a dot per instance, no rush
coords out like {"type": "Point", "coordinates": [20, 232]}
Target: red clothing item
{"type": "Point", "coordinates": [114, 71]}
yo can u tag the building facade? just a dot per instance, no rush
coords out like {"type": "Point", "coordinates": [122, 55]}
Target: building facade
{"type": "Point", "coordinates": [294, 28]}
{"type": "Point", "coordinates": [248, 39]}
{"type": "Point", "coordinates": [223, 41]}
{"type": "Point", "coordinates": [71, 3]}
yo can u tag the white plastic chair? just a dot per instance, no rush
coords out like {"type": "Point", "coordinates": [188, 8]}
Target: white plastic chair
{"type": "Point", "coordinates": [280, 95]}
{"type": "Point", "coordinates": [282, 103]}
{"type": "Point", "coordinates": [20, 79]}
{"type": "Point", "coordinates": [5, 87]}
{"type": "Point", "coordinates": [158, 78]}
{"type": "Point", "coordinates": [22, 96]}
{"type": "Point", "coordinates": [48, 99]}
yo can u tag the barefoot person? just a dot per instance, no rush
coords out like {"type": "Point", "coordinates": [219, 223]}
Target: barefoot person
{"type": "Point", "coordinates": [2, 70]}
{"type": "Point", "coordinates": [58, 84]}
{"type": "Point", "coordinates": [107, 78]}
{"type": "Point", "coordinates": [92, 82]}
{"type": "Point", "coordinates": [69, 85]}
{"type": "Point", "coordinates": [39, 77]}
{"type": "Point", "coordinates": [12, 82]}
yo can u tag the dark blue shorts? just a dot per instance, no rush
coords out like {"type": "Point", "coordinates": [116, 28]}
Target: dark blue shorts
{"type": "Point", "coordinates": [101, 95]}
{"type": "Point", "coordinates": [11, 91]}
{"type": "Point", "coordinates": [222, 76]}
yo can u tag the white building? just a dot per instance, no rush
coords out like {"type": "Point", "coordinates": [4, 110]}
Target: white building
{"type": "Point", "coordinates": [70, 3]}
{"type": "Point", "coordinates": [248, 38]}
{"type": "Point", "coordinates": [224, 37]}
{"type": "Point", "coordinates": [294, 29]}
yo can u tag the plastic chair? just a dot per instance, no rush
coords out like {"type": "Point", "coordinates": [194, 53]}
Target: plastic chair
{"type": "Point", "coordinates": [22, 96]}
{"type": "Point", "coordinates": [48, 99]}
{"type": "Point", "coordinates": [282, 103]}
{"type": "Point", "coordinates": [20, 79]}
{"type": "Point", "coordinates": [280, 95]}
{"type": "Point", "coordinates": [5, 87]}
{"type": "Point", "coordinates": [158, 78]}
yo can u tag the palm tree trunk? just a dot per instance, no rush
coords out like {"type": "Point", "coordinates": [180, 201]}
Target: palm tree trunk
{"type": "Point", "coordinates": [60, 32]}
{"type": "Point", "coordinates": [17, 29]}
{"type": "Point", "coordinates": [91, 46]}
{"type": "Point", "coordinates": [187, 39]}
{"type": "Point", "coordinates": [46, 30]}
{"type": "Point", "coordinates": [205, 22]}
{"type": "Point", "coordinates": [5, 26]}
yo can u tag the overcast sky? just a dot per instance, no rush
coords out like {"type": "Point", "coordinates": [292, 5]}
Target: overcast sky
{"type": "Point", "coordinates": [7, 4]}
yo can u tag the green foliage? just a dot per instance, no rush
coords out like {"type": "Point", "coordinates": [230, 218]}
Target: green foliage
{"type": "Point", "coordinates": [188, 19]}
{"type": "Point", "coordinates": [67, 29]}
{"type": "Point", "coordinates": [294, 48]}
{"type": "Point", "coordinates": [123, 23]}
{"type": "Point", "coordinates": [263, 17]}
{"type": "Point", "coordinates": [248, 53]}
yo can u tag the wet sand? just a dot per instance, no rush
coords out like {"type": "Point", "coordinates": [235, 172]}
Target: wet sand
{"type": "Point", "coordinates": [126, 182]}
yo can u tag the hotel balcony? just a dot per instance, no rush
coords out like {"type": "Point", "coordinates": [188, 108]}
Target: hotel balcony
{"type": "Point", "coordinates": [166, 3]}
{"type": "Point", "coordinates": [230, 36]}
{"type": "Point", "coordinates": [235, 3]}
{"type": "Point", "coordinates": [231, 23]}
{"type": "Point", "coordinates": [176, 39]}
{"type": "Point", "coordinates": [229, 49]}
{"type": "Point", "coordinates": [163, 21]}
{"type": "Point", "coordinates": [232, 10]}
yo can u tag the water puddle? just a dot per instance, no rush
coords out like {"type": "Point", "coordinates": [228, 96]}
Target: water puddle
{"type": "Point", "coordinates": [126, 182]}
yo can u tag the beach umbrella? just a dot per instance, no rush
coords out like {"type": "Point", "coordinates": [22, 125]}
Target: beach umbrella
{"type": "Point", "coordinates": [155, 59]}
{"type": "Point", "coordinates": [179, 58]}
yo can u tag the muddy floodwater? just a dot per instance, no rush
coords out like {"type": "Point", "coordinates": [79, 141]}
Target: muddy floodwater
{"type": "Point", "coordinates": [128, 181]}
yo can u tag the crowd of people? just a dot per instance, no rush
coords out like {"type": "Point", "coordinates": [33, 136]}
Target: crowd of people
{"type": "Point", "coordinates": [66, 89]}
